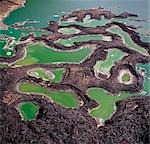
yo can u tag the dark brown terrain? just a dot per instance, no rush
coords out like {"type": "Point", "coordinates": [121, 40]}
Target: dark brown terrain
{"type": "Point", "coordinates": [56, 125]}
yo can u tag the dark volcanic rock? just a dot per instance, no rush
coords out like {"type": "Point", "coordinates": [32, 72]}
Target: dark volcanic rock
{"type": "Point", "coordinates": [5, 79]}
{"type": "Point", "coordinates": [55, 125]}
{"type": "Point", "coordinates": [130, 124]}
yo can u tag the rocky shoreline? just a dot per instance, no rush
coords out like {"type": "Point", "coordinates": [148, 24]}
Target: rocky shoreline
{"type": "Point", "coordinates": [6, 6]}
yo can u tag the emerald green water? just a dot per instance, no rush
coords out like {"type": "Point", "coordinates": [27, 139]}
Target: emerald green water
{"type": "Point", "coordinates": [45, 10]}
{"type": "Point", "coordinates": [18, 33]}
{"type": "Point", "coordinates": [65, 99]}
{"type": "Point", "coordinates": [146, 68]}
{"type": "Point", "coordinates": [28, 110]}
{"type": "Point", "coordinates": [5, 52]}
{"type": "Point", "coordinates": [106, 101]}
{"type": "Point", "coordinates": [82, 38]}
{"type": "Point", "coordinates": [105, 66]}
{"type": "Point", "coordinates": [142, 30]}
{"type": "Point", "coordinates": [40, 54]}
{"type": "Point", "coordinates": [59, 73]}
{"type": "Point", "coordinates": [128, 40]}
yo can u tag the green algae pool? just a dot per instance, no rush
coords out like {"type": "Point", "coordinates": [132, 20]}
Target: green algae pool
{"type": "Point", "coordinates": [40, 54]}
{"type": "Point", "coordinates": [59, 73]}
{"type": "Point", "coordinates": [105, 66]}
{"type": "Point", "coordinates": [128, 40]}
{"type": "Point", "coordinates": [81, 38]}
{"type": "Point", "coordinates": [28, 111]}
{"type": "Point", "coordinates": [65, 99]}
{"type": "Point", "coordinates": [106, 101]}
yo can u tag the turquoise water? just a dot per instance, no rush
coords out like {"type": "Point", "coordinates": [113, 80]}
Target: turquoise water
{"type": "Point", "coordinates": [17, 33]}
{"type": "Point", "coordinates": [146, 73]}
{"type": "Point", "coordinates": [45, 10]}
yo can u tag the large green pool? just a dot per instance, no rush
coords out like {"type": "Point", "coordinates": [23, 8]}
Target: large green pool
{"type": "Point", "coordinates": [28, 110]}
{"type": "Point", "coordinates": [40, 54]}
{"type": "Point", "coordinates": [65, 99]}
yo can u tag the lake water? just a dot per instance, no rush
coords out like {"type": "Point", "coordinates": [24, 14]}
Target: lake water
{"type": "Point", "coordinates": [46, 10]}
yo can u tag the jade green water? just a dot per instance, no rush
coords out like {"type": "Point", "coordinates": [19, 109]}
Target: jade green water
{"type": "Point", "coordinates": [128, 40]}
{"type": "Point", "coordinates": [40, 54]}
{"type": "Point", "coordinates": [82, 38]}
{"type": "Point", "coordinates": [45, 10]}
{"type": "Point", "coordinates": [65, 99]}
{"type": "Point", "coordinates": [59, 73]}
{"type": "Point", "coordinates": [141, 31]}
{"type": "Point", "coordinates": [18, 33]}
{"type": "Point", "coordinates": [106, 101]}
{"type": "Point", "coordinates": [105, 66]}
{"type": "Point", "coordinates": [5, 52]}
{"type": "Point", "coordinates": [146, 70]}
{"type": "Point", "coordinates": [28, 111]}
